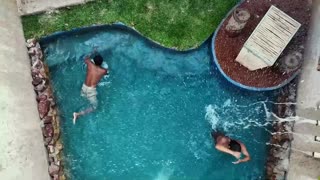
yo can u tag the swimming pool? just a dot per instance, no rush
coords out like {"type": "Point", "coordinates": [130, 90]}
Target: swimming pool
{"type": "Point", "coordinates": [156, 111]}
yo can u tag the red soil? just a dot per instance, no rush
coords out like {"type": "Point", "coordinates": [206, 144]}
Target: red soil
{"type": "Point", "coordinates": [227, 49]}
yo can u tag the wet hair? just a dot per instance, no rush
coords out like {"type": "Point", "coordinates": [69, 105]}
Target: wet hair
{"type": "Point", "coordinates": [234, 145]}
{"type": "Point", "coordinates": [215, 135]}
{"type": "Point", "coordinates": [98, 60]}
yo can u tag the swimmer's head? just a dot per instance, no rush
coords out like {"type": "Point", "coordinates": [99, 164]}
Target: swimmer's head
{"type": "Point", "coordinates": [224, 140]}
{"type": "Point", "coordinates": [219, 137]}
{"type": "Point", "coordinates": [98, 60]}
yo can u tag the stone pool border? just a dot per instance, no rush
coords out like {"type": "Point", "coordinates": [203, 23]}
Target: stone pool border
{"type": "Point", "coordinates": [277, 164]}
{"type": "Point", "coordinates": [48, 111]}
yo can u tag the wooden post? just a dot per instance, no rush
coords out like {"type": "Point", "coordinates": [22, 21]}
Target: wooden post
{"type": "Point", "coordinates": [237, 22]}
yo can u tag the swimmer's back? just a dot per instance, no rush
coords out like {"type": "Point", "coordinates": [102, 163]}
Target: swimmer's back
{"type": "Point", "coordinates": [94, 74]}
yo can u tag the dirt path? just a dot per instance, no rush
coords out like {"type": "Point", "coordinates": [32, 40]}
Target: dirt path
{"type": "Point", "coordinates": [36, 6]}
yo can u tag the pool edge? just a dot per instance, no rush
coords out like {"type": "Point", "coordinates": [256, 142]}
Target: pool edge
{"type": "Point", "coordinates": [48, 111]}
{"type": "Point", "coordinates": [119, 25]}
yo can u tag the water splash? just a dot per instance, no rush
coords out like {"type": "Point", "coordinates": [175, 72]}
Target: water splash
{"type": "Point", "coordinates": [296, 119]}
{"type": "Point", "coordinates": [165, 173]}
{"type": "Point", "coordinates": [212, 116]}
{"type": "Point", "coordinates": [227, 103]}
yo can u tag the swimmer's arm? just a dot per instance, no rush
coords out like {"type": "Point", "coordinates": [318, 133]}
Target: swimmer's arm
{"type": "Point", "coordinates": [244, 152]}
{"type": "Point", "coordinates": [228, 151]}
{"type": "Point", "coordinates": [87, 58]}
{"type": "Point", "coordinates": [88, 61]}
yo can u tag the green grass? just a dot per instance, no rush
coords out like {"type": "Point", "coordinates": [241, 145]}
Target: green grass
{"type": "Point", "coordinates": [174, 23]}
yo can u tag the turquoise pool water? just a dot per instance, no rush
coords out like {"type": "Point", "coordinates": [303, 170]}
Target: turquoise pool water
{"type": "Point", "coordinates": [156, 111]}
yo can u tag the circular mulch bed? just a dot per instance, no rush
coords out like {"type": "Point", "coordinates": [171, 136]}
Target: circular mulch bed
{"type": "Point", "coordinates": [227, 49]}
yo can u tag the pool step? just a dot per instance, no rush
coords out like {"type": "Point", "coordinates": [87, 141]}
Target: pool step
{"type": "Point", "coordinates": [316, 155]}
{"type": "Point", "coordinates": [310, 128]}
{"type": "Point", "coordinates": [311, 154]}
{"type": "Point", "coordinates": [305, 142]}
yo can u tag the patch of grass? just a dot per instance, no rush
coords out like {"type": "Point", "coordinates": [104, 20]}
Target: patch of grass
{"type": "Point", "coordinates": [173, 23]}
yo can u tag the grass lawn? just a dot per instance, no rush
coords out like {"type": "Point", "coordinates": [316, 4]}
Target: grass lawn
{"type": "Point", "coordinates": [174, 23]}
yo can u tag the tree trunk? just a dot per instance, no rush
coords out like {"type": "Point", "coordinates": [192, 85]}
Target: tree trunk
{"type": "Point", "coordinates": [237, 22]}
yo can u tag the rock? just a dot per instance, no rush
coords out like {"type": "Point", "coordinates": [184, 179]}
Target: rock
{"type": "Point", "coordinates": [38, 65]}
{"type": "Point", "coordinates": [33, 59]}
{"type": "Point", "coordinates": [285, 145]}
{"type": "Point", "coordinates": [43, 108]}
{"type": "Point", "coordinates": [47, 120]}
{"type": "Point", "coordinates": [56, 177]}
{"type": "Point", "coordinates": [31, 43]}
{"type": "Point", "coordinates": [280, 154]}
{"type": "Point", "coordinates": [277, 137]}
{"type": "Point", "coordinates": [53, 169]}
{"type": "Point", "coordinates": [42, 97]}
{"type": "Point", "coordinates": [35, 73]}
{"type": "Point", "coordinates": [282, 166]}
{"type": "Point", "coordinates": [36, 81]}
{"type": "Point", "coordinates": [51, 160]}
{"type": "Point", "coordinates": [279, 175]}
{"type": "Point", "coordinates": [41, 87]}
{"type": "Point", "coordinates": [51, 149]}
{"type": "Point", "coordinates": [41, 124]}
{"type": "Point", "coordinates": [59, 146]}
{"type": "Point", "coordinates": [48, 140]}
{"type": "Point", "coordinates": [269, 170]}
{"type": "Point", "coordinates": [52, 102]}
{"type": "Point", "coordinates": [56, 159]}
{"type": "Point", "coordinates": [32, 51]}
{"type": "Point", "coordinates": [58, 163]}
{"type": "Point", "coordinates": [285, 137]}
{"type": "Point", "coordinates": [62, 177]}
{"type": "Point", "coordinates": [48, 130]}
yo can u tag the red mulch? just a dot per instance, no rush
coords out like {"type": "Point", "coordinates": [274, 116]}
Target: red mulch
{"type": "Point", "coordinates": [227, 49]}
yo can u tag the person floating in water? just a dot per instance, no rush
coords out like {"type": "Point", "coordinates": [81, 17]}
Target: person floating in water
{"type": "Point", "coordinates": [233, 147]}
{"type": "Point", "coordinates": [94, 74]}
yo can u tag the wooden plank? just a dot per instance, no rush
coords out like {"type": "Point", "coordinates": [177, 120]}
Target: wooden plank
{"type": "Point", "coordinates": [268, 40]}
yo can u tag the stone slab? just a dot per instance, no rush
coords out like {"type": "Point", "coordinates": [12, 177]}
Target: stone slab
{"type": "Point", "coordinates": [302, 166]}
{"type": "Point", "coordinates": [27, 7]}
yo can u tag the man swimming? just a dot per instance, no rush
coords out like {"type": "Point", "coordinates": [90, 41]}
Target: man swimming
{"type": "Point", "coordinates": [233, 147]}
{"type": "Point", "coordinates": [94, 74]}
